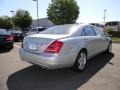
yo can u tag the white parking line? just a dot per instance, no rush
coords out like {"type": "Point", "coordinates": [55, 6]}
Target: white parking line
{"type": "Point", "coordinates": [17, 46]}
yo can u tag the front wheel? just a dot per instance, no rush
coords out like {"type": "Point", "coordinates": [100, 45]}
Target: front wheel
{"type": "Point", "coordinates": [81, 61]}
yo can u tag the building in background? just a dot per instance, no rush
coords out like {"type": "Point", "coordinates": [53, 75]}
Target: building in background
{"type": "Point", "coordinates": [43, 22]}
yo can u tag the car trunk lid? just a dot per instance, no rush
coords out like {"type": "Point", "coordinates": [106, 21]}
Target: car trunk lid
{"type": "Point", "coordinates": [39, 42]}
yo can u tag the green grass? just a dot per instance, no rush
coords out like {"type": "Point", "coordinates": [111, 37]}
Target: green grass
{"type": "Point", "coordinates": [116, 39]}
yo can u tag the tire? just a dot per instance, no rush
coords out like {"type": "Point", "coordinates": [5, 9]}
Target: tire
{"type": "Point", "coordinates": [109, 49]}
{"type": "Point", "coordinates": [81, 60]}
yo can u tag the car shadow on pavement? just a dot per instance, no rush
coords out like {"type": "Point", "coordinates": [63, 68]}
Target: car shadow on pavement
{"type": "Point", "coordinates": [35, 78]}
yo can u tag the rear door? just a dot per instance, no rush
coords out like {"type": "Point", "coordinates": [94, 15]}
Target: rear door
{"type": "Point", "coordinates": [92, 42]}
{"type": "Point", "coordinates": [103, 41]}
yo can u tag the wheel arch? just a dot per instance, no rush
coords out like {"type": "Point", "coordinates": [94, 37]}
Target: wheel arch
{"type": "Point", "coordinates": [82, 49]}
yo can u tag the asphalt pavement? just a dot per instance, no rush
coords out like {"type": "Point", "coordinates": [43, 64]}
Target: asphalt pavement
{"type": "Point", "coordinates": [102, 73]}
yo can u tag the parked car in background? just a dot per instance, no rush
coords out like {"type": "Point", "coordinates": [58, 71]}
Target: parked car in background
{"type": "Point", "coordinates": [17, 35]}
{"type": "Point", "coordinates": [35, 30]}
{"type": "Point", "coordinates": [65, 46]}
{"type": "Point", "coordinates": [6, 40]}
{"type": "Point", "coordinates": [98, 25]}
{"type": "Point", "coordinates": [113, 26]}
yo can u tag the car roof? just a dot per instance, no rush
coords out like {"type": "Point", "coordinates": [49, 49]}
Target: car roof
{"type": "Point", "coordinates": [71, 25]}
{"type": "Point", "coordinates": [37, 27]}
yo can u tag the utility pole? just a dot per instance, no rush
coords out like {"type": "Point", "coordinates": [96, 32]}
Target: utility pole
{"type": "Point", "coordinates": [37, 11]}
{"type": "Point", "coordinates": [104, 15]}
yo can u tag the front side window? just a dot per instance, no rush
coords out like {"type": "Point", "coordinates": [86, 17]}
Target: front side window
{"type": "Point", "coordinates": [89, 31]}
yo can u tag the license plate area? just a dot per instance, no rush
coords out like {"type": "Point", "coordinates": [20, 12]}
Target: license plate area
{"type": "Point", "coordinates": [32, 46]}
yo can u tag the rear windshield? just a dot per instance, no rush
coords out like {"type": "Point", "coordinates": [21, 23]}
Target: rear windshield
{"type": "Point", "coordinates": [57, 30]}
{"type": "Point", "coordinates": [3, 31]}
{"type": "Point", "coordinates": [16, 32]}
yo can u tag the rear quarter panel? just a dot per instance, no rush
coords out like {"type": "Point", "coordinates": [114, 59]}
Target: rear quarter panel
{"type": "Point", "coordinates": [71, 48]}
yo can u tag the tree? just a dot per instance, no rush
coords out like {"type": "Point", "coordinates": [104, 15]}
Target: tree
{"type": "Point", "coordinates": [22, 19]}
{"type": "Point", "coordinates": [63, 11]}
{"type": "Point", "coordinates": [6, 22]}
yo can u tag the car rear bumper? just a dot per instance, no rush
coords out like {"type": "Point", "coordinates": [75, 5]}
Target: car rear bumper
{"type": "Point", "coordinates": [6, 45]}
{"type": "Point", "coordinates": [43, 60]}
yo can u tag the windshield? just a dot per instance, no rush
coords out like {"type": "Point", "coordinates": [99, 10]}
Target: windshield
{"type": "Point", "coordinates": [33, 30]}
{"type": "Point", "coordinates": [57, 30]}
{"type": "Point", "coordinates": [3, 31]}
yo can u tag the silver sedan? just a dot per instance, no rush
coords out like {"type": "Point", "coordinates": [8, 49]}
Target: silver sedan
{"type": "Point", "coordinates": [65, 46]}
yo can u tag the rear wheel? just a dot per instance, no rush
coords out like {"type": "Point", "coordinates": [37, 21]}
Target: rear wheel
{"type": "Point", "coordinates": [81, 61]}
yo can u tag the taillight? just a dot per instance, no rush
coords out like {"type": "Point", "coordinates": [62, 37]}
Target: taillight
{"type": "Point", "coordinates": [54, 47]}
{"type": "Point", "coordinates": [9, 38]}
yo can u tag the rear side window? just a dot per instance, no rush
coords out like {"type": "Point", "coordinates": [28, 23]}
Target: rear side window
{"type": "Point", "coordinates": [99, 31]}
{"type": "Point", "coordinates": [89, 31]}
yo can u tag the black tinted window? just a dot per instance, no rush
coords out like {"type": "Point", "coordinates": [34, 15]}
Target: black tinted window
{"type": "Point", "coordinates": [114, 23]}
{"type": "Point", "coordinates": [111, 24]}
{"type": "Point", "coordinates": [89, 31]}
{"type": "Point", "coordinates": [92, 23]}
{"type": "Point", "coordinates": [41, 29]}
